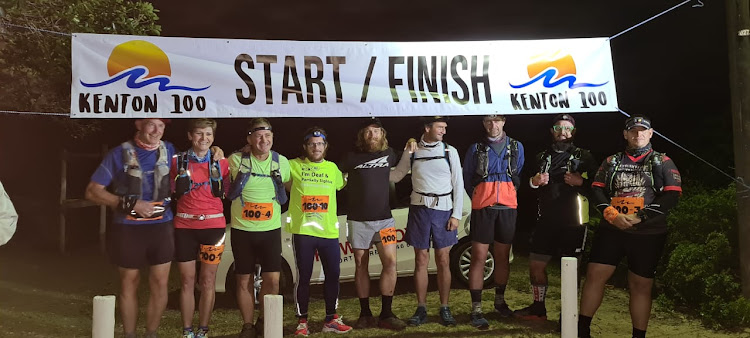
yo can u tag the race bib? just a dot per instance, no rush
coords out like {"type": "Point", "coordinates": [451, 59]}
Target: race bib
{"type": "Point", "coordinates": [211, 254]}
{"type": "Point", "coordinates": [257, 211]}
{"type": "Point", "coordinates": [628, 205]}
{"type": "Point", "coordinates": [158, 213]}
{"type": "Point", "coordinates": [388, 236]}
{"type": "Point", "coordinates": [315, 204]}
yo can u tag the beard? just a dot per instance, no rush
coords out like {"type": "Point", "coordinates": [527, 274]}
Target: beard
{"type": "Point", "coordinates": [562, 145]}
{"type": "Point", "coordinates": [374, 145]}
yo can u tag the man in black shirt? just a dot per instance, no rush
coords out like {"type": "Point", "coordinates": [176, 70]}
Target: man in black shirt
{"type": "Point", "coordinates": [634, 190]}
{"type": "Point", "coordinates": [563, 177]}
{"type": "Point", "coordinates": [370, 221]}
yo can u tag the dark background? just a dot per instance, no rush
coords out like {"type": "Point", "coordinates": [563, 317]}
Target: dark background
{"type": "Point", "coordinates": [673, 69]}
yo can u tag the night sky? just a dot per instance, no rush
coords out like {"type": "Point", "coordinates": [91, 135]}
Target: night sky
{"type": "Point", "coordinates": [673, 69]}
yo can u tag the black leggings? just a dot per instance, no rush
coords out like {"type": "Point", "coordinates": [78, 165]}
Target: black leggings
{"type": "Point", "coordinates": [330, 257]}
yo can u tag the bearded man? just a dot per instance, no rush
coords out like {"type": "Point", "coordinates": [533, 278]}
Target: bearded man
{"type": "Point", "coordinates": [370, 220]}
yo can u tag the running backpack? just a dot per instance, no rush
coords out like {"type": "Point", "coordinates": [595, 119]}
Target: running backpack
{"type": "Point", "coordinates": [446, 157]}
{"type": "Point", "coordinates": [481, 156]}
{"type": "Point", "coordinates": [184, 180]}
{"type": "Point", "coordinates": [654, 160]}
{"type": "Point", "coordinates": [239, 182]}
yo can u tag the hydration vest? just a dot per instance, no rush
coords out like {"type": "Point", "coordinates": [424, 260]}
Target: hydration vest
{"type": "Point", "coordinates": [481, 157]}
{"type": "Point", "coordinates": [653, 160]}
{"type": "Point", "coordinates": [184, 181]}
{"type": "Point", "coordinates": [447, 158]}
{"type": "Point", "coordinates": [131, 185]}
{"type": "Point", "coordinates": [235, 190]}
{"type": "Point", "coordinates": [573, 161]}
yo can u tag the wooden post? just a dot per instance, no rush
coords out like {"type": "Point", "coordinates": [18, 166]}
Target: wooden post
{"type": "Point", "coordinates": [569, 297]}
{"type": "Point", "coordinates": [738, 28]}
{"type": "Point", "coordinates": [63, 194]}
{"type": "Point", "coordinates": [273, 316]}
{"type": "Point", "coordinates": [103, 318]}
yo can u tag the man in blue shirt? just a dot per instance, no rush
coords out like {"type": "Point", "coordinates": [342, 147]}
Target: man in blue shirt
{"type": "Point", "coordinates": [141, 234]}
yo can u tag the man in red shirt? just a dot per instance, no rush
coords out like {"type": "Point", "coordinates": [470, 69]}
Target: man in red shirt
{"type": "Point", "coordinates": [199, 222]}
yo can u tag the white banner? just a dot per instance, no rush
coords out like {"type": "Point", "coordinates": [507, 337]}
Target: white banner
{"type": "Point", "coordinates": [121, 76]}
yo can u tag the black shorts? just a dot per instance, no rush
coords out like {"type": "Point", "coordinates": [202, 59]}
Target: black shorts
{"type": "Point", "coordinates": [188, 242]}
{"type": "Point", "coordinates": [489, 224]}
{"type": "Point", "coordinates": [256, 247]}
{"type": "Point", "coordinates": [140, 245]}
{"type": "Point", "coordinates": [643, 251]}
{"type": "Point", "coordinates": [552, 238]}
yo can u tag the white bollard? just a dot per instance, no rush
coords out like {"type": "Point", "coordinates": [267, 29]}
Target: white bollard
{"type": "Point", "coordinates": [569, 297]}
{"type": "Point", "coordinates": [103, 317]}
{"type": "Point", "coordinates": [273, 316]}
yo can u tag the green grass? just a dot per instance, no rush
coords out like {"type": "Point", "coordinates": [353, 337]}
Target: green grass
{"type": "Point", "coordinates": [48, 295]}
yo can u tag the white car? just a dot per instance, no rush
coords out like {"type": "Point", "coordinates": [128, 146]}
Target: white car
{"type": "Point", "coordinates": [459, 262]}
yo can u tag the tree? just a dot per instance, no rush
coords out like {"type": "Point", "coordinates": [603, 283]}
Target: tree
{"type": "Point", "coordinates": [35, 66]}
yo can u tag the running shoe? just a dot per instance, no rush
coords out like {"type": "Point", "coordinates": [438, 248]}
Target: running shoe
{"type": "Point", "coordinates": [202, 333]}
{"type": "Point", "coordinates": [535, 311]}
{"type": "Point", "coordinates": [504, 310]}
{"type": "Point", "coordinates": [248, 331]}
{"type": "Point", "coordinates": [336, 325]}
{"type": "Point", "coordinates": [302, 328]}
{"type": "Point", "coordinates": [366, 322]}
{"type": "Point", "coordinates": [419, 317]}
{"type": "Point", "coordinates": [446, 318]}
{"type": "Point", "coordinates": [188, 333]}
{"type": "Point", "coordinates": [478, 321]}
{"type": "Point", "coordinates": [392, 323]}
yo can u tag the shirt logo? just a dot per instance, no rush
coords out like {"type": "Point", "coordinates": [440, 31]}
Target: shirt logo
{"type": "Point", "coordinates": [381, 162]}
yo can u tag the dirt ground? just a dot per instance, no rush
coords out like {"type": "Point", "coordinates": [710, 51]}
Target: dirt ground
{"type": "Point", "coordinates": [46, 294]}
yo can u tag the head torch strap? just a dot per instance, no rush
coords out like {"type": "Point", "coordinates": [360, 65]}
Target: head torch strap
{"type": "Point", "coordinates": [259, 128]}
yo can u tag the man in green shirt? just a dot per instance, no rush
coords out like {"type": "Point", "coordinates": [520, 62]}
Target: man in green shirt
{"type": "Point", "coordinates": [257, 194]}
{"type": "Point", "coordinates": [315, 227]}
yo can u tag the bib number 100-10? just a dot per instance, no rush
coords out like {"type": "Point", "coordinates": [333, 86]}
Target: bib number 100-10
{"type": "Point", "coordinates": [315, 203]}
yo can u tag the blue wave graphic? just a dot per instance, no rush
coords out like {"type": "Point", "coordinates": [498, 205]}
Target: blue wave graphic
{"type": "Point", "coordinates": [133, 81]}
{"type": "Point", "coordinates": [549, 74]}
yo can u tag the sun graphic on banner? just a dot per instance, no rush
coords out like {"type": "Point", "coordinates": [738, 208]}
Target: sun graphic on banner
{"type": "Point", "coordinates": [553, 69]}
{"type": "Point", "coordinates": [139, 53]}
{"type": "Point", "coordinates": [562, 62]}
{"type": "Point", "coordinates": [138, 64]}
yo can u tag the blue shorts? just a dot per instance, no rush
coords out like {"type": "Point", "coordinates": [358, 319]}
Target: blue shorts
{"type": "Point", "coordinates": [425, 224]}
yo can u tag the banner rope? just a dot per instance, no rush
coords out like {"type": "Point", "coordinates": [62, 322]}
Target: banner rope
{"type": "Point", "coordinates": [735, 179]}
{"type": "Point", "coordinates": [699, 4]}
{"type": "Point", "coordinates": [32, 113]}
{"type": "Point", "coordinates": [34, 29]}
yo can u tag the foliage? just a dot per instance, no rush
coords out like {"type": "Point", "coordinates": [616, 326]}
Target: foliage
{"type": "Point", "coordinates": [35, 66]}
{"type": "Point", "coordinates": [701, 259]}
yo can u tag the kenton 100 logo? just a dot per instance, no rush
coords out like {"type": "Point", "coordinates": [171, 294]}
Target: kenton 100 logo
{"type": "Point", "coordinates": [138, 64]}
{"type": "Point", "coordinates": [554, 71]}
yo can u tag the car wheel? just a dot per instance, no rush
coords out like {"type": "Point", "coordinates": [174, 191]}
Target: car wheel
{"type": "Point", "coordinates": [461, 260]}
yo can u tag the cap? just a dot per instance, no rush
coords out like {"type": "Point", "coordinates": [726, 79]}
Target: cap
{"type": "Point", "coordinates": [637, 121]}
{"type": "Point", "coordinates": [373, 121]}
{"type": "Point", "coordinates": [564, 117]}
{"type": "Point", "coordinates": [433, 119]}
{"type": "Point", "coordinates": [494, 117]}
